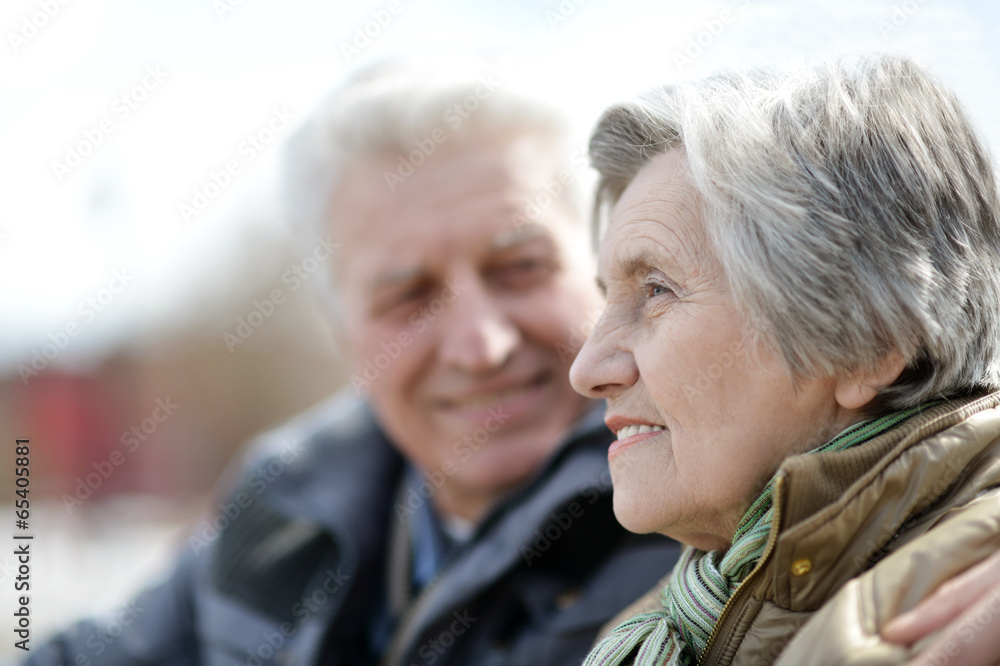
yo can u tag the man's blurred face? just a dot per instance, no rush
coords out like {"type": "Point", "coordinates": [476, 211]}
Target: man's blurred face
{"type": "Point", "coordinates": [462, 313]}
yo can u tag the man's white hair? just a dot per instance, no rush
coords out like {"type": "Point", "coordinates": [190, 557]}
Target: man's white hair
{"type": "Point", "coordinates": [399, 108]}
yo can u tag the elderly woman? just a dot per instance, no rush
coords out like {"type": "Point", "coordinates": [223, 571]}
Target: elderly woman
{"type": "Point", "coordinates": [801, 336]}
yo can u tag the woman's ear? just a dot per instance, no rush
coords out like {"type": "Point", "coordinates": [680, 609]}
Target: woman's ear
{"type": "Point", "coordinates": [858, 389]}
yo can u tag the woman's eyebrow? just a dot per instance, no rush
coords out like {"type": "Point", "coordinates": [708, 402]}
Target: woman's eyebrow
{"type": "Point", "coordinates": [641, 264]}
{"type": "Point", "coordinates": [629, 267]}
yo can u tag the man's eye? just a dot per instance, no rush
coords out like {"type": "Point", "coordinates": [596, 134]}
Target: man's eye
{"type": "Point", "coordinates": [411, 294]}
{"type": "Point", "coordinates": [527, 265]}
{"type": "Point", "coordinates": [522, 273]}
{"type": "Point", "coordinates": [401, 300]}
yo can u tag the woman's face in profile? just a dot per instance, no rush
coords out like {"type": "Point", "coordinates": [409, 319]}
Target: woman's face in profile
{"type": "Point", "coordinates": [704, 413]}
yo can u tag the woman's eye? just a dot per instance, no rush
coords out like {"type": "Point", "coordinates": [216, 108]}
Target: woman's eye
{"type": "Point", "coordinates": [656, 289]}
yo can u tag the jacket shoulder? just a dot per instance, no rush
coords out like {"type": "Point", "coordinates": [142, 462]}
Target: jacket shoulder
{"type": "Point", "coordinates": [284, 520]}
{"type": "Point", "coordinates": [909, 507]}
{"type": "Point", "coordinates": [334, 422]}
{"type": "Point", "coordinates": [846, 630]}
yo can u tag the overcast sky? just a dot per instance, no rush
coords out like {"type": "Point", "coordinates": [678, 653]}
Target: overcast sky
{"type": "Point", "coordinates": [168, 91]}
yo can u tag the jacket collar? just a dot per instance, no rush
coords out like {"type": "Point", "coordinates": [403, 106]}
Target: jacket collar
{"type": "Point", "coordinates": [577, 470]}
{"type": "Point", "coordinates": [348, 469]}
{"type": "Point", "coordinates": [842, 511]}
{"type": "Point", "coordinates": [347, 473]}
{"type": "Point", "coordinates": [340, 476]}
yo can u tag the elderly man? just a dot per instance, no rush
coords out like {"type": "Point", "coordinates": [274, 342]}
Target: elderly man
{"type": "Point", "coordinates": [460, 512]}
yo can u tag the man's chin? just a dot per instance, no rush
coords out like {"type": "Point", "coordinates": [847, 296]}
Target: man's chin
{"type": "Point", "coordinates": [494, 479]}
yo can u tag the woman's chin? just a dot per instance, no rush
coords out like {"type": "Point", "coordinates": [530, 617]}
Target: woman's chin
{"type": "Point", "coordinates": [634, 514]}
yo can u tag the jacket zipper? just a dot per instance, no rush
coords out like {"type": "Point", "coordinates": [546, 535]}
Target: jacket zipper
{"type": "Point", "coordinates": [771, 541]}
{"type": "Point", "coordinates": [394, 652]}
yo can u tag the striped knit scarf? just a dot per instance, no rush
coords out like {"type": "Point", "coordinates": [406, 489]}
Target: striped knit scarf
{"type": "Point", "coordinates": [702, 582]}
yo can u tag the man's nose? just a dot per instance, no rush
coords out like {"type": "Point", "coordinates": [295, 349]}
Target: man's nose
{"type": "Point", "coordinates": [478, 332]}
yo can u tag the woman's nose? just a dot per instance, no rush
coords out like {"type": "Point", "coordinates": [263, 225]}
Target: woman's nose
{"type": "Point", "coordinates": [604, 366]}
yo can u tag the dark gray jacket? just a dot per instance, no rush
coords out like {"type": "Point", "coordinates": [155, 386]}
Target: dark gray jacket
{"type": "Point", "coordinates": [289, 569]}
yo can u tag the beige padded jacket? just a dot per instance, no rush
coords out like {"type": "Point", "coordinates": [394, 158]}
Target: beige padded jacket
{"type": "Point", "coordinates": [861, 536]}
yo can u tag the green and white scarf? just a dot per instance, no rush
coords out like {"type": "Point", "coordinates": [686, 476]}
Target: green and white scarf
{"type": "Point", "coordinates": [702, 582]}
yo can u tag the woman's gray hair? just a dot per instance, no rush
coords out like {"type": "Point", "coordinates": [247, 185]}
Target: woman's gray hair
{"type": "Point", "coordinates": [407, 108]}
{"type": "Point", "coordinates": [853, 208]}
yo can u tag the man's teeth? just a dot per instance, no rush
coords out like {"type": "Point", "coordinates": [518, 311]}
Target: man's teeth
{"type": "Point", "coordinates": [630, 430]}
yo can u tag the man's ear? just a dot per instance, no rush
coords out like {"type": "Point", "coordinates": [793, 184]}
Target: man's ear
{"type": "Point", "coordinates": [858, 389]}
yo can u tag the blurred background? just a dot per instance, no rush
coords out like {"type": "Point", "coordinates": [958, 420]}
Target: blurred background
{"type": "Point", "coordinates": [140, 230]}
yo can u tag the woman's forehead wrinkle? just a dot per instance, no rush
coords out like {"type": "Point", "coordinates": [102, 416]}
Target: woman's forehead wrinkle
{"type": "Point", "coordinates": [646, 222]}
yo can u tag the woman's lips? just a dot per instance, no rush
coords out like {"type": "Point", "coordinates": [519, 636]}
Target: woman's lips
{"type": "Point", "coordinates": [637, 429]}
{"type": "Point", "coordinates": [633, 434]}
